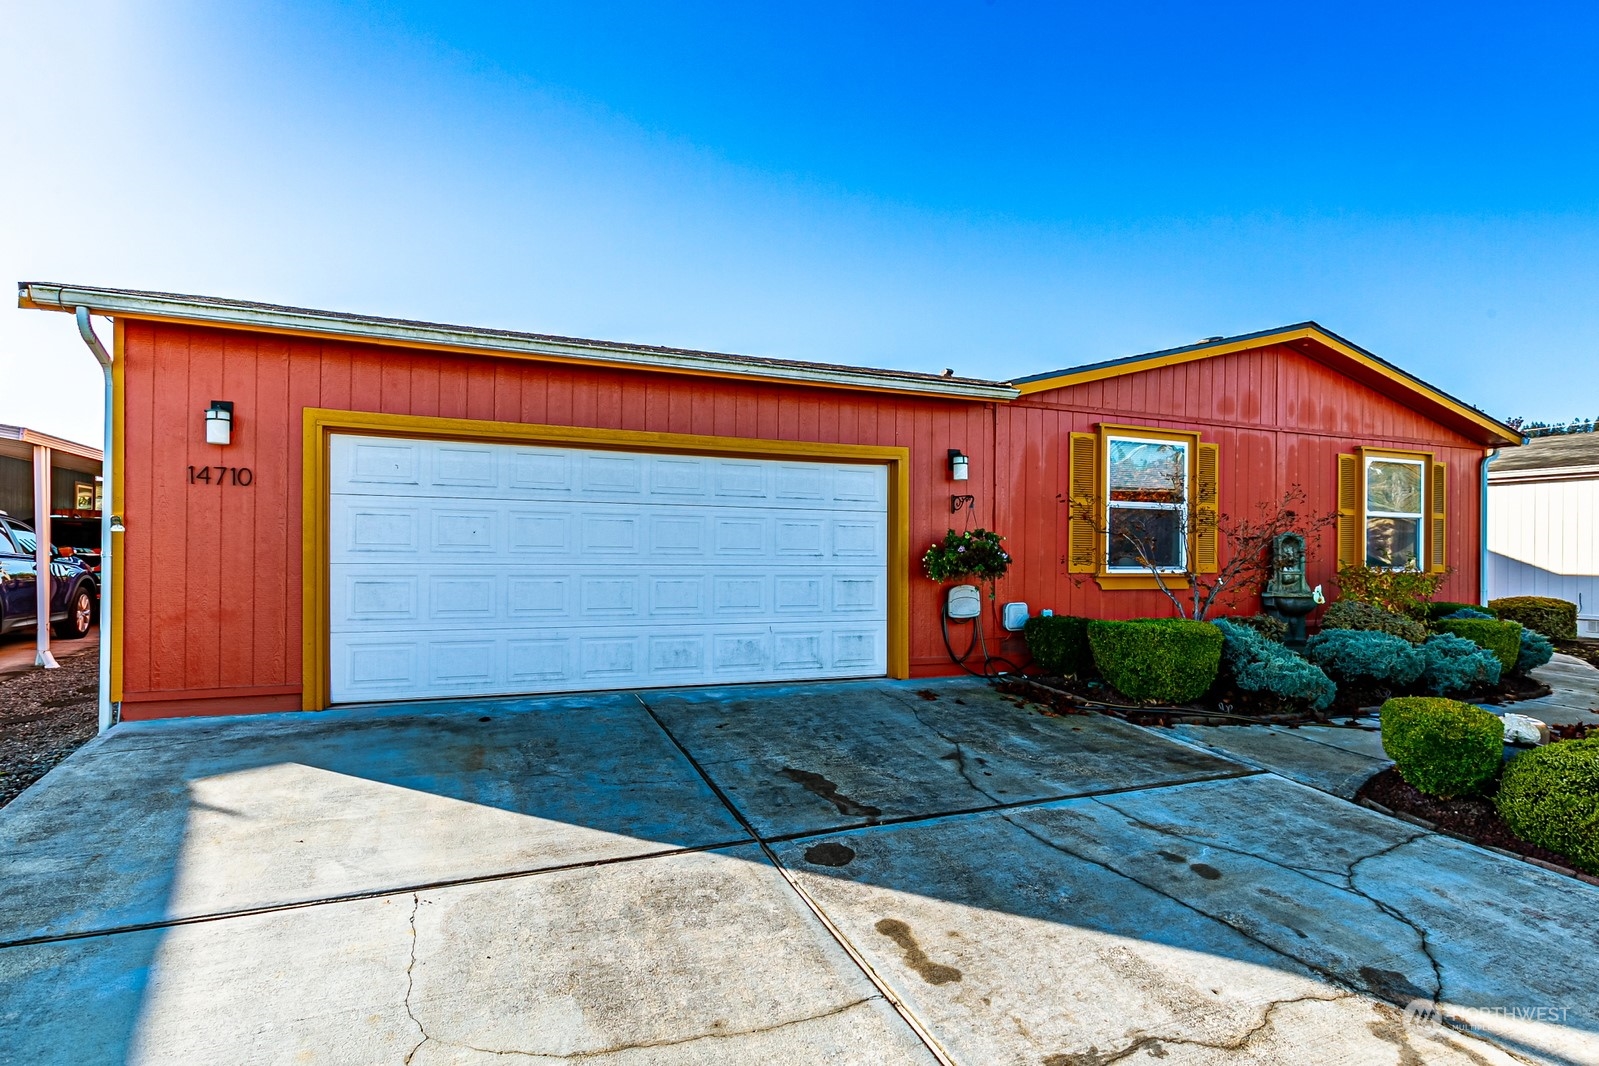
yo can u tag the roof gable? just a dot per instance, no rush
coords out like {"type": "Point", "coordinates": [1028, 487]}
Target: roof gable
{"type": "Point", "coordinates": [1319, 344]}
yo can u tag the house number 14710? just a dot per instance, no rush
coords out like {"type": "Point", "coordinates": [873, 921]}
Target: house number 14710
{"type": "Point", "coordinates": [221, 475]}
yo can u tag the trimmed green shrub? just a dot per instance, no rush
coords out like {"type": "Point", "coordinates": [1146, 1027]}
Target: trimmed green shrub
{"type": "Point", "coordinates": [1259, 664]}
{"type": "Point", "coordinates": [1443, 609]}
{"type": "Point", "coordinates": [1264, 624]}
{"type": "Point", "coordinates": [1351, 614]}
{"type": "Point", "coordinates": [1535, 651]}
{"type": "Point", "coordinates": [1443, 747]}
{"type": "Point", "coordinates": [1501, 638]}
{"type": "Point", "coordinates": [1550, 797]}
{"type": "Point", "coordinates": [1555, 619]}
{"type": "Point", "coordinates": [1452, 664]}
{"type": "Point", "coordinates": [1059, 644]}
{"type": "Point", "coordinates": [1365, 655]}
{"type": "Point", "coordinates": [1171, 660]}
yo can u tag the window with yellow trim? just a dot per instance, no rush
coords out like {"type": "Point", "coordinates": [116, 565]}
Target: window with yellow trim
{"type": "Point", "coordinates": [1146, 519]}
{"type": "Point", "coordinates": [1395, 520]}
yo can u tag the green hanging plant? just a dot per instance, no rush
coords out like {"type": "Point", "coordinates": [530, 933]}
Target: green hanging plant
{"type": "Point", "coordinates": [976, 553]}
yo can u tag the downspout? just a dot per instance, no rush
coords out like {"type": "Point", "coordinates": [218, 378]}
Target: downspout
{"type": "Point", "coordinates": [1482, 531]}
{"type": "Point", "coordinates": [108, 522]}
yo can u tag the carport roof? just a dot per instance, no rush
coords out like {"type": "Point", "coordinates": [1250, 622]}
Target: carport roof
{"type": "Point", "coordinates": [371, 329]}
{"type": "Point", "coordinates": [19, 441]}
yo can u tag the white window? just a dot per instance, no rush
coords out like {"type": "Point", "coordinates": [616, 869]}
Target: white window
{"type": "Point", "coordinates": [1146, 520]}
{"type": "Point", "coordinates": [1394, 498]}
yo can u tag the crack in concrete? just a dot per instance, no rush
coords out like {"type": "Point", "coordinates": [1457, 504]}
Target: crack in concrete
{"type": "Point", "coordinates": [1348, 875]}
{"type": "Point", "coordinates": [1394, 912]}
{"type": "Point", "coordinates": [1094, 1057]}
{"type": "Point", "coordinates": [1153, 827]}
{"type": "Point", "coordinates": [1068, 852]}
{"type": "Point", "coordinates": [416, 905]}
{"type": "Point", "coordinates": [1423, 942]}
{"type": "Point", "coordinates": [645, 1045]}
{"type": "Point", "coordinates": [959, 752]}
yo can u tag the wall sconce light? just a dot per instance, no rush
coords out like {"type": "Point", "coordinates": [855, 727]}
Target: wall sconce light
{"type": "Point", "coordinates": [219, 422]}
{"type": "Point", "coordinates": [959, 465]}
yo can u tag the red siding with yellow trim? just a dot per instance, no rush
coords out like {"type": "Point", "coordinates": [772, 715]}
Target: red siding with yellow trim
{"type": "Point", "coordinates": [212, 609]}
{"type": "Point", "coordinates": [1279, 417]}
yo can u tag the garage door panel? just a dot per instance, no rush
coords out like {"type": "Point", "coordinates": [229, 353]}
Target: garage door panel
{"type": "Point", "coordinates": [443, 530]}
{"type": "Point", "coordinates": [370, 467]}
{"type": "Point", "coordinates": [365, 598]}
{"type": "Point", "coordinates": [464, 569]}
{"type": "Point", "coordinates": [449, 663]}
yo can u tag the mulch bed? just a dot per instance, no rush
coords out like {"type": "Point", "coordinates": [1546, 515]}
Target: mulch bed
{"type": "Point", "coordinates": [1224, 705]}
{"type": "Point", "coordinates": [1473, 818]}
{"type": "Point", "coordinates": [45, 715]}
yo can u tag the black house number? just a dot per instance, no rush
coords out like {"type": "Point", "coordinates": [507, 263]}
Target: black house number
{"type": "Point", "coordinates": [221, 475]}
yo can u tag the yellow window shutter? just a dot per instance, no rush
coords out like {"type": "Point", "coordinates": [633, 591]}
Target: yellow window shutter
{"type": "Point", "coordinates": [1437, 546]}
{"type": "Point", "coordinates": [1084, 508]}
{"type": "Point", "coordinates": [1207, 509]}
{"type": "Point", "coordinates": [1349, 531]}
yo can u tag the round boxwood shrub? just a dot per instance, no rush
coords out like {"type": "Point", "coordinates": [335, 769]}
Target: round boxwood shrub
{"type": "Point", "coordinates": [1351, 614]}
{"type": "Point", "coordinates": [1059, 644]}
{"type": "Point", "coordinates": [1550, 797]}
{"type": "Point", "coordinates": [1555, 619]}
{"type": "Point", "coordinates": [1258, 664]}
{"type": "Point", "coordinates": [1444, 608]}
{"type": "Point", "coordinates": [1501, 638]}
{"type": "Point", "coordinates": [1169, 660]}
{"type": "Point", "coordinates": [1452, 664]}
{"type": "Point", "coordinates": [1443, 747]}
{"type": "Point", "coordinates": [1365, 655]}
{"type": "Point", "coordinates": [1535, 651]}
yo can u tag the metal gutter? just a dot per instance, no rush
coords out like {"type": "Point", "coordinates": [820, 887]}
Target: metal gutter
{"type": "Point", "coordinates": [108, 521]}
{"type": "Point", "coordinates": [235, 314]}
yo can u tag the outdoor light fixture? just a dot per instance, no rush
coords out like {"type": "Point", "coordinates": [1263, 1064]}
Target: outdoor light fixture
{"type": "Point", "coordinates": [959, 465]}
{"type": "Point", "coordinates": [219, 422]}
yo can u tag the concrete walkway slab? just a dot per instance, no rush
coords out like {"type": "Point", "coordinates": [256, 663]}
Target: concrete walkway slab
{"type": "Point", "coordinates": [164, 820]}
{"type": "Point", "coordinates": [799, 759]}
{"type": "Point", "coordinates": [1576, 692]}
{"type": "Point", "coordinates": [1332, 759]}
{"type": "Point", "coordinates": [1161, 923]}
{"type": "Point", "coordinates": [639, 962]}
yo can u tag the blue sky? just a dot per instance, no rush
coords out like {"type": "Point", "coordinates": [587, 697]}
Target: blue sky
{"type": "Point", "coordinates": [1002, 188]}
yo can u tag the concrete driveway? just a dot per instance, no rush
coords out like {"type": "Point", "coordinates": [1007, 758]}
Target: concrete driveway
{"type": "Point", "coordinates": [871, 872]}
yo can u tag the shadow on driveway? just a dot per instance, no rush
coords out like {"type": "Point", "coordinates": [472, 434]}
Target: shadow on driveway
{"type": "Point", "coordinates": [854, 871]}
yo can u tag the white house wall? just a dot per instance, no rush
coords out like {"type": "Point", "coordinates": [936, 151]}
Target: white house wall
{"type": "Point", "coordinates": [1543, 540]}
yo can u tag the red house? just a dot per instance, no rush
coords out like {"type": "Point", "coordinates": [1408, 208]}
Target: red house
{"type": "Point", "coordinates": [321, 508]}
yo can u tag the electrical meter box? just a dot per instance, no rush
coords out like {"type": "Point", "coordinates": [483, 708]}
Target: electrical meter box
{"type": "Point", "coordinates": [964, 602]}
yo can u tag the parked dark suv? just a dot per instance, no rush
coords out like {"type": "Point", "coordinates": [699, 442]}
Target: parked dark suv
{"type": "Point", "coordinates": [74, 592]}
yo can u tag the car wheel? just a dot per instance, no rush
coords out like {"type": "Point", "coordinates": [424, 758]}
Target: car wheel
{"type": "Point", "coordinates": [80, 616]}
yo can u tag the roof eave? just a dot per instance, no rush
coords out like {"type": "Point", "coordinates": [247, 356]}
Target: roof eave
{"type": "Point", "coordinates": [306, 322]}
{"type": "Point", "coordinates": [1445, 409]}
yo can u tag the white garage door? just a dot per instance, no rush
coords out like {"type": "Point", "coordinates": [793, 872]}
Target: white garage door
{"type": "Point", "coordinates": [472, 569]}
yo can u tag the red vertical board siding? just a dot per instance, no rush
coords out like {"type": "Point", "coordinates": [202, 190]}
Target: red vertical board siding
{"type": "Point", "coordinates": [213, 574]}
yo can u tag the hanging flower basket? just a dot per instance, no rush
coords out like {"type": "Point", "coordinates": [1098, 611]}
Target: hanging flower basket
{"type": "Point", "coordinates": [976, 553]}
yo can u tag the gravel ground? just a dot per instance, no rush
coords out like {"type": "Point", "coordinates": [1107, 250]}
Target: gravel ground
{"type": "Point", "coordinates": [44, 716]}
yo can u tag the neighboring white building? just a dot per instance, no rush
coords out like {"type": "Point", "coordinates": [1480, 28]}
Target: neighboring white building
{"type": "Point", "coordinates": [1543, 523]}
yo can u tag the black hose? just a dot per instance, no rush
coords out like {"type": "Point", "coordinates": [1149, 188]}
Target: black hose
{"type": "Point", "coordinates": [989, 670]}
